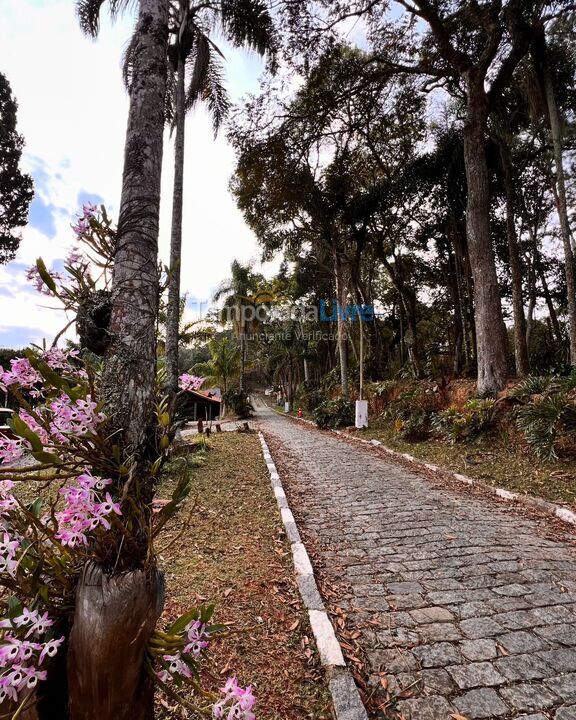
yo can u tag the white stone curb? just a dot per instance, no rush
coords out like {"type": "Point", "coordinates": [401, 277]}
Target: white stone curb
{"type": "Point", "coordinates": [345, 695]}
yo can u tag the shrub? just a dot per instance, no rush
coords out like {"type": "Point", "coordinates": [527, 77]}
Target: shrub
{"type": "Point", "coordinates": [309, 396]}
{"type": "Point", "coordinates": [412, 425]}
{"type": "Point", "coordinates": [238, 402]}
{"type": "Point", "coordinates": [542, 420]}
{"type": "Point", "coordinates": [334, 413]}
{"type": "Point", "coordinates": [410, 412]}
{"type": "Point", "coordinates": [475, 417]}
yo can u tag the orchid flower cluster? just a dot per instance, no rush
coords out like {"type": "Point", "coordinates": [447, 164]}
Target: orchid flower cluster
{"type": "Point", "coordinates": [180, 649]}
{"type": "Point", "coordinates": [85, 510]}
{"type": "Point", "coordinates": [178, 663]}
{"type": "Point", "coordinates": [25, 635]}
{"type": "Point", "coordinates": [84, 270]}
{"type": "Point", "coordinates": [22, 653]}
{"type": "Point", "coordinates": [188, 382]}
{"type": "Point", "coordinates": [23, 375]}
{"type": "Point", "coordinates": [236, 704]}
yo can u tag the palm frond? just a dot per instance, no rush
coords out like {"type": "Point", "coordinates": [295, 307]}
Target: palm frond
{"type": "Point", "coordinates": [207, 81]}
{"type": "Point", "coordinates": [128, 58]}
{"type": "Point", "coordinates": [198, 62]}
{"type": "Point", "coordinates": [88, 12]}
{"type": "Point", "coordinates": [248, 23]}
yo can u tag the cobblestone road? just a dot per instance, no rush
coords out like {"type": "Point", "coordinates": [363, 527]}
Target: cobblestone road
{"type": "Point", "coordinates": [478, 607]}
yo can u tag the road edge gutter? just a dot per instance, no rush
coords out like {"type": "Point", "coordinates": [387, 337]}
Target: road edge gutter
{"type": "Point", "coordinates": [345, 696]}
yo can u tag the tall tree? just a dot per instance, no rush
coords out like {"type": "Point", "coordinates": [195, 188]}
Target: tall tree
{"type": "Point", "coordinates": [196, 75]}
{"type": "Point", "coordinates": [115, 615]}
{"type": "Point", "coordinates": [472, 50]}
{"type": "Point", "coordinates": [545, 67]}
{"type": "Point", "coordinates": [238, 293]}
{"type": "Point", "coordinates": [16, 189]}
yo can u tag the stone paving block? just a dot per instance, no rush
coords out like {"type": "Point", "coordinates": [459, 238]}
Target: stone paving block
{"type": "Point", "coordinates": [404, 588]}
{"type": "Point", "coordinates": [476, 650]}
{"type": "Point", "coordinates": [517, 619]}
{"type": "Point", "coordinates": [561, 634]}
{"type": "Point", "coordinates": [393, 661]}
{"type": "Point", "coordinates": [566, 712]}
{"type": "Point", "coordinates": [552, 615]}
{"type": "Point", "coordinates": [480, 674]}
{"type": "Point", "coordinates": [406, 602]}
{"type": "Point", "coordinates": [514, 590]}
{"type": "Point", "coordinates": [483, 703]}
{"type": "Point", "coordinates": [431, 615]}
{"type": "Point", "coordinates": [438, 632]}
{"type": "Point", "coordinates": [564, 686]}
{"type": "Point", "coordinates": [437, 655]}
{"type": "Point", "coordinates": [523, 667]}
{"type": "Point", "coordinates": [447, 597]}
{"type": "Point", "coordinates": [563, 660]}
{"type": "Point", "coordinates": [482, 627]}
{"type": "Point", "coordinates": [529, 697]}
{"type": "Point", "coordinates": [438, 682]}
{"type": "Point", "coordinates": [471, 610]}
{"type": "Point", "coordinates": [398, 637]}
{"type": "Point", "coordinates": [426, 708]}
{"type": "Point", "coordinates": [521, 641]}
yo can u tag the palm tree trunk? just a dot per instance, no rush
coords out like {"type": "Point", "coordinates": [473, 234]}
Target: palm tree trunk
{"type": "Point", "coordinates": [520, 346]}
{"type": "Point", "coordinates": [560, 190]}
{"type": "Point", "coordinates": [115, 613]}
{"type": "Point", "coordinates": [173, 311]}
{"type": "Point", "coordinates": [490, 336]}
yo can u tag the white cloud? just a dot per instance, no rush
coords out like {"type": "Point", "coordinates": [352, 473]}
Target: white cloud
{"type": "Point", "coordinates": [72, 113]}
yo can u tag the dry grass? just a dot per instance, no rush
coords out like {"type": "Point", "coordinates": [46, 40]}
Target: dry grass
{"type": "Point", "coordinates": [234, 553]}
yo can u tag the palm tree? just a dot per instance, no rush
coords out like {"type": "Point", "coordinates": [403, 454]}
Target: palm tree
{"type": "Point", "coordinates": [240, 293]}
{"type": "Point", "coordinates": [115, 615]}
{"type": "Point", "coordinates": [195, 74]}
{"type": "Point", "coordinates": [224, 364]}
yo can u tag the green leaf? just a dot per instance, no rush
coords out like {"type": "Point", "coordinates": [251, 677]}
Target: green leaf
{"type": "Point", "coordinates": [45, 275]}
{"type": "Point", "coordinates": [180, 623]}
{"type": "Point", "coordinates": [46, 458]}
{"type": "Point", "coordinates": [35, 507]}
{"type": "Point", "coordinates": [14, 607]}
{"type": "Point", "coordinates": [22, 430]}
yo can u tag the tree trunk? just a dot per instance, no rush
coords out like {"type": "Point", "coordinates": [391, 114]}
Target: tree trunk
{"type": "Point", "coordinates": [560, 187]}
{"type": "Point", "coordinates": [173, 310]}
{"type": "Point", "coordinates": [114, 618]}
{"type": "Point", "coordinates": [116, 613]}
{"type": "Point", "coordinates": [341, 323]}
{"type": "Point", "coordinates": [490, 336]}
{"type": "Point", "coordinates": [520, 347]}
{"type": "Point", "coordinates": [129, 375]}
{"type": "Point", "coordinates": [242, 356]}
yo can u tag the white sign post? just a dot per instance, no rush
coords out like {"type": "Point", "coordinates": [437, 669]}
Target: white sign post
{"type": "Point", "coordinates": [361, 414]}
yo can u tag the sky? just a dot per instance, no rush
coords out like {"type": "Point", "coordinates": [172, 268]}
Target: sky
{"type": "Point", "coordinates": [72, 113]}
